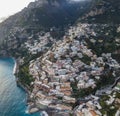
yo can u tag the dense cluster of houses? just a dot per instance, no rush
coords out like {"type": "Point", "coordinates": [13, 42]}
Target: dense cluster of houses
{"type": "Point", "coordinates": [63, 64]}
{"type": "Point", "coordinates": [39, 44]}
{"type": "Point", "coordinates": [89, 107]}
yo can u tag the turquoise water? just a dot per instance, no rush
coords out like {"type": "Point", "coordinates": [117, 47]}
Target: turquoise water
{"type": "Point", "coordinates": [12, 98]}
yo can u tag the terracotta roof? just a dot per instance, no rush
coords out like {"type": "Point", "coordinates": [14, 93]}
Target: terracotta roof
{"type": "Point", "coordinates": [93, 113]}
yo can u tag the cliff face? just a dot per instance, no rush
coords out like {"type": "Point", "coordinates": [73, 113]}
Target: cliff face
{"type": "Point", "coordinates": [42, 15]}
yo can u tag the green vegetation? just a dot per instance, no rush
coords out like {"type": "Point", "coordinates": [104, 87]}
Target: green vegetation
{"type": "Point", "coordinates": [79, 93]}
{"type": "Point", "coordinates": [24, 77]}
{"type": "Point", "coordinates": [103, 45]}
{"type": "Point", "coordinates": [118, 95]}
{"type": "Point", "coordinates": [106, 109]}
{"type": "Point", "coordinates": [86, 59]}
{"type": "Point", "coordinates": [105, 79]}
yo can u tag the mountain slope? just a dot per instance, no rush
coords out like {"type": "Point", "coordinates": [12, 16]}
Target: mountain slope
{"type": "Point", "coordinates": [42, 15]}
{"type": "Point", "coordinates": [103, 11]}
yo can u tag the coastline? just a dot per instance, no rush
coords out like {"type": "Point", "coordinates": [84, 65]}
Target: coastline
{"type": "Point", "coordinates": [16, 97]}
{"type": "Point", "coordinates": [32, 108]}
{"type": "Point", "coordinates": [15, 71]}
{"type": "Point", "coordinates": [15, 67]}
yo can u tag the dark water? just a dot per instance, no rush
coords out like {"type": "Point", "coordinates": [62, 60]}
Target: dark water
{"type": "Point", "coordinates": [12, 98]}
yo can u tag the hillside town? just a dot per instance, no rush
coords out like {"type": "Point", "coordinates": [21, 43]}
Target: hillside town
{"type": "Point", "coordinates": [40, 44]}
{"type": "Point", "coordinates": [70, 67]}
{"type": "Point", "coordinates": [61, 58]}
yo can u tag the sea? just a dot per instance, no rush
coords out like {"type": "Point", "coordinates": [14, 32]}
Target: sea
{"type": "Point", "coordinates": [12, 97]}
